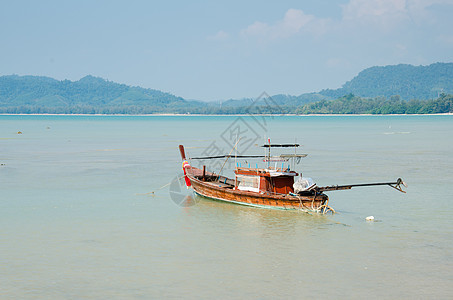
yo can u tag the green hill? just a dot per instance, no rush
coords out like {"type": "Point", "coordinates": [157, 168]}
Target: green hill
{"type": "Point", "coordinates": [407, 81]}
{"type": "Point", "coordinates": [368, 92]}
{"type": "Point", "coordinates": [88, 95]}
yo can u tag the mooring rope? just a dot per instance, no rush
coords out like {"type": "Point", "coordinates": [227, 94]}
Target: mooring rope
{"type": "Point", "coordinates": [165, 185]}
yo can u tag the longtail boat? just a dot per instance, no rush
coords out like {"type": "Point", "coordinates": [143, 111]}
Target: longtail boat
{"type": "Point", "coordinates": [267, 187]}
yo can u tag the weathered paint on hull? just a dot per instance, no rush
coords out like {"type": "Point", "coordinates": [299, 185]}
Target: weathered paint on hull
{"type": "Point", "coordinates": [285, 202]}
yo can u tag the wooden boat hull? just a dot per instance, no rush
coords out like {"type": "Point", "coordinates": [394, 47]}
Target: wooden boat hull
{"type": "Point", "coordinates": [318, 203]}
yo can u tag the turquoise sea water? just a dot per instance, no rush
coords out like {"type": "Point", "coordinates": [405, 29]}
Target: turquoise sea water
{"type": "Point", "coordinates": [85, 210]}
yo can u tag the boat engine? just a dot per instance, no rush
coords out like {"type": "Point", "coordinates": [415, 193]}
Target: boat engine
{"type": "Point", "coordinates": [303, 184]}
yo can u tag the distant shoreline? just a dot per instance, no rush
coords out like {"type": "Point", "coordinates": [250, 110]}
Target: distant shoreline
{"type": "Point", "coordinates": [225, 115]}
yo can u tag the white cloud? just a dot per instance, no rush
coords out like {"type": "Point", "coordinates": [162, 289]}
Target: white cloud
{"type": "Point", "coordinates": [420, 10]}
{"type": "Point", "coordinates": [380, 15]}
{"type": "Point", "coordinates": [256, 29]}
{"type": "Point", "coordinates": [293, 22]}
{"type": "Point", "coordinates": [383, 13]}
{"type": "Point", "coordinates": [389, 13]}
{"type": "Point", "coordinates": [423, 4]}
{"type": "Point", "coordinates": [373, 8]}
{"type": "Point", "coordinates": [220, 36]}
{"type": "Point", "coordinates": [365, 18]}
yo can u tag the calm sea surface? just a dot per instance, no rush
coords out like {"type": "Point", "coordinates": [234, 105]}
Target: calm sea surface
{"type": "Point", "coordinates": [85, 210]}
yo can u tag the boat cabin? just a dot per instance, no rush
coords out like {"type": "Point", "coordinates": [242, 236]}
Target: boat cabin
{"type": "Point", "coordinates": [269, 180]}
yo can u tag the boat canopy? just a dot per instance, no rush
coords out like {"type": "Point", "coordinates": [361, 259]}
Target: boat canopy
{"type": "Point", "coordinates": [228, 156]}
{"type": "Point", "coordinates": [279, 145]}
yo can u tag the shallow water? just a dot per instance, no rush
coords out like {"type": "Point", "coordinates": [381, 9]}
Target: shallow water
{"type": "Point", "coordinates": [85, 210]}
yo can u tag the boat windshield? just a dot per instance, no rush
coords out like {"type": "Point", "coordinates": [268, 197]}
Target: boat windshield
{"type": "Point", "coordinates": [248, 183]}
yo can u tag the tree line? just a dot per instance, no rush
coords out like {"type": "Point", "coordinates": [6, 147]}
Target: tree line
{"type": "Point", "coordinates": [349, 104]}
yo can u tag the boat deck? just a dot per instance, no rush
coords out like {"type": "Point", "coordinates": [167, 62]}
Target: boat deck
{"type": "Point", "coordinates": [220, 184]}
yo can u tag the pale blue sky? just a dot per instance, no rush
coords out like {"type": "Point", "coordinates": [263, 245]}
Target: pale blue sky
{"type": "Point", "coordinates": [231, 49]}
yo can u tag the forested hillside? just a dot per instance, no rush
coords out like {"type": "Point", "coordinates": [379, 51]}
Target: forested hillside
{"type": "Point", "coordinates": [407, 81]}
{"type": "Point", "coordinates": [351, 104]}
{"type": "Point", "coordinates": [33, 94]}
{"type": "Point", "coordinates": [377, 90]}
